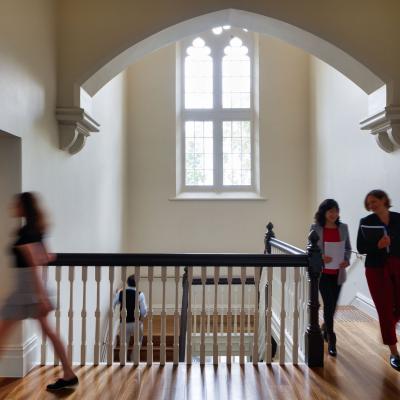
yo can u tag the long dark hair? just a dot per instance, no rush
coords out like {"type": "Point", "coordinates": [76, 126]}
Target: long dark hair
{"type": "Point", "coordinates": [35, 219]}
{"type": "Point", "coordinates": [326, 205]}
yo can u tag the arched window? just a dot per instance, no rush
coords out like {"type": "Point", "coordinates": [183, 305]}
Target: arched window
{"type": "Point", "coordinates": [216, 108]}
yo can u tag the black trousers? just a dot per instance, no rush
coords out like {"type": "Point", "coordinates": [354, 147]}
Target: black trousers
{"type": "Point", "coordinates": [330, 291]}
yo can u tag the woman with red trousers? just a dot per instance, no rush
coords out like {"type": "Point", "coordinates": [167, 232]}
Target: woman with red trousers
{"type": "Point", "coordinates": [383, 265]}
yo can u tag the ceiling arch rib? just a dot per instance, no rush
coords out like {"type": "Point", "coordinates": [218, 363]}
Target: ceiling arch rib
{"type": "Point", "coordinates": [320, 48]}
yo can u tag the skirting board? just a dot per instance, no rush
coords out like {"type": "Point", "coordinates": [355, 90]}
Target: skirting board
{"type": "Point", "coordinates": [366, 305]}
{"type": "Point", "coordinates": [17, 360]}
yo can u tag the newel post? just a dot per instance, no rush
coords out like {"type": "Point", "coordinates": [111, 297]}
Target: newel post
{"type": "Point", "coordinates": [269, 234]}
{"type": "Point", "coordinates": [314, 343]}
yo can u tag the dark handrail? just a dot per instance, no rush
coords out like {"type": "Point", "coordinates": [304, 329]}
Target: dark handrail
{"type": "Point", "coordinates": [286, 247]}
{"type": "Point", "coordinates": [186, 259]}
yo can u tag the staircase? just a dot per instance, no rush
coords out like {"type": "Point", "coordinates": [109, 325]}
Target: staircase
{"type": "Point", "coordinates": [169, 340]}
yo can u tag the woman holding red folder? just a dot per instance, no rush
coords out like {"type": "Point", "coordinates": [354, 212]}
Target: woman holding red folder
{"type": "Point", "coordinates": [331, 232]}
{"type": "Point", "coordinates": [382, 265]}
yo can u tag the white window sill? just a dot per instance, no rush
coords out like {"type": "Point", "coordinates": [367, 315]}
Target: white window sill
{"type": "Point", "coordinates": [218, 196]}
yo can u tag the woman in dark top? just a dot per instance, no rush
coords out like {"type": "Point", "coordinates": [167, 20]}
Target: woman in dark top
{"type": "Point", "coordinates": [29, 299]}
{"type": "Point", "coordinates": [331, 230]}
{"type": "Point", "coordinates": [383, 265]}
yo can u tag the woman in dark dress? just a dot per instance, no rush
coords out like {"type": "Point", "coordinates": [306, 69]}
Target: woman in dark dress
{"type": "Point", "coordinates": [29, 298]}
{"type": "Point", "coordinates": [382, 265]}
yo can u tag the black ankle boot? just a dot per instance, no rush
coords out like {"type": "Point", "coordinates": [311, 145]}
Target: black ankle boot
{"type": "Point", "coordinates": [332, 344]}
{"type": "Point", "coordinates": [395, 361]}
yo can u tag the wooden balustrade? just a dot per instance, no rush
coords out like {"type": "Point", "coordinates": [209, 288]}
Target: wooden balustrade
{"type": "Point", "coordinates": [220, 313]}
{"type": "Point", "coordinates": [301, 306]}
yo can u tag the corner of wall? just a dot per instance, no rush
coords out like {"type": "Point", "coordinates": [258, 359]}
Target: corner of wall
{"type": "Point", "coordinates": [18, 359]}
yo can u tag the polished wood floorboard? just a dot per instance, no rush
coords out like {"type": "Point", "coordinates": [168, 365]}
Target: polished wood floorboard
{"type": "Point", "coordinates": [361, 371]}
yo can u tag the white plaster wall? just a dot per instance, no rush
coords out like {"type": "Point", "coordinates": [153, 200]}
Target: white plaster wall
{"type": "Point", "coordinates": [157, 224]}
{"type": "Point", "coordinates": [346, 163]}
{"type": "Point", "coordinates": [10, 183]}
{"type": "Point", "coordinates": [27, 92]}
{"type": "Point", "coordinates": [96, 207]}
{"type": "Point", "coordinates": [83, 194]}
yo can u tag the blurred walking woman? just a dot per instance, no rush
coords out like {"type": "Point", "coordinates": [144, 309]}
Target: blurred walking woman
{"type": "Point", "coordinates": [383, 265]}
{"type": "Point", "coordinates": [29, 298]}
{"type": "Point", "coordinates": [330, 229]}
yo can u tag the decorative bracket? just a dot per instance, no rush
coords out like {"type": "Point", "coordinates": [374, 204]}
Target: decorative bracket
{"type": "Point", "coordinates": [385, 125]}
{"type": "Point", "coordinates": [75, 125]}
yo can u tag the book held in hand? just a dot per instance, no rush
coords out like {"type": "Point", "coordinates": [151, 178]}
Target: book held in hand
{"type": "Point", "coordinates": [372, 234]}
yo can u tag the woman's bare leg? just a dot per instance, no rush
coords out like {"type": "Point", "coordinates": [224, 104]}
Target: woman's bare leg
{"type": "Point", "coordinates": [58, 348]}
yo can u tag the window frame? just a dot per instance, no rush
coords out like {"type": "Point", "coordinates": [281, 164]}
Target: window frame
{"type": "Point", "coordinates": [217, 115]}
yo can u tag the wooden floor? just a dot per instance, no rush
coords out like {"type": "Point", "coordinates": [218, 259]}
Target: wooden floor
{"type": "Point", "coordinates": [361, 371]}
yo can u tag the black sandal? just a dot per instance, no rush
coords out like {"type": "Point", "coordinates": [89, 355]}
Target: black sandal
{"type": "Point", "coordinates": [63, 384]}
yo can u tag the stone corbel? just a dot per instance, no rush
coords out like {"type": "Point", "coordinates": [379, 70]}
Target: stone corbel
{"type": "Point", "coordinates": [385, 125]}
{"type": "Point", "coordinates": [75, 125]}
